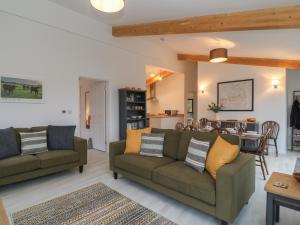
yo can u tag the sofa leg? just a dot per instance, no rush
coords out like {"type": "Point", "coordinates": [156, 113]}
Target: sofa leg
{"type": "Point", "coordinates": [115, 175]}
{"type": "Point", "coordinates": [223, 222]}
{"type": "Point", "coordinates": [80, 169]}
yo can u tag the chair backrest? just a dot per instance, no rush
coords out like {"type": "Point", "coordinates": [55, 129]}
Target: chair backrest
{"type": "Point", "coordinates": [264, 141]}
{"type": "Point", "coordinates": [203, 122]}
{"type": "Point", "coordinates": [274, 128]}
{"type": "Point", "coordinates": [221, 131]}
{"type": "Point", "coordinates": [179, 126]}
{"type": "Point", "coordinates": [228, 124]}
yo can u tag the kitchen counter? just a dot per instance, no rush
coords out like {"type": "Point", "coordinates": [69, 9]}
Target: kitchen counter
{"type": "Point", "coordinates": [165, 116]}
{"type": "Point", "coordinates": [165, 121]}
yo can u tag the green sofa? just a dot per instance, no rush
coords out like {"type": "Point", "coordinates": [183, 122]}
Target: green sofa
{"type": "Point", "coordinates": [222, 198]}
{"type": "Point", "coordinates": [19, 168]}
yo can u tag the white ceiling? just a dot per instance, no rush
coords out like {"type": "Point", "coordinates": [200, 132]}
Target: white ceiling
{"type": "Point", "coordinates": [271, 43]}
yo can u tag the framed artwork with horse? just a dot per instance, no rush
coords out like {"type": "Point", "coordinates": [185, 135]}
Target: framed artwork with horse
{"type": "Point", "coordinates": [21, 90]}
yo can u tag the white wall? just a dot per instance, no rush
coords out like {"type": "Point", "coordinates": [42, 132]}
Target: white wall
{"type": "Point", "coordinates": [42, 40]}
{"type": "Point", "coordinates": [293, 84]}
{"type": "Point", "coordinates": [269, 103]}
{"type": "Point", "coordinates": [170, 95]}
{"type": "Point", "coordinates": [191, 87]}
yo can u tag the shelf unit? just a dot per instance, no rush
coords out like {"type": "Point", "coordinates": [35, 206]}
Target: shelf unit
{"type": "Point", "coordinates": [132, 110]}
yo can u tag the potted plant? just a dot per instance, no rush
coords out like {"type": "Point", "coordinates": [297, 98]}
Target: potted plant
{"type": "Point", "coordinates": [214, 108]}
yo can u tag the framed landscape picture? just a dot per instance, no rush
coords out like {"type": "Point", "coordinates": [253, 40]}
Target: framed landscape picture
{"type": "Point", "coordinates": [236, 95]}
{"type": "Point", "coordinates": [21, 90]}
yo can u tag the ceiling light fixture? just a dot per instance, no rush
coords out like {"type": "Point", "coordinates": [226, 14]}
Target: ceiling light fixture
{"type": "Point", "coordinates": [218, 55]}
{"type": "Point", "coordinates": [108, 6]}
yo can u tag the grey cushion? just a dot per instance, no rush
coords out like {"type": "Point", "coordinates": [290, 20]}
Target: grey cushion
{"type": "Point", "coordinates": [8, 143]}
{"type": "Point", "coordinates": [152, 145]}
{"type": "Point", "coordinates": [197, 153]}
{"type": "Point", "coordinates": [33, 142]}
{"type": "Point", "coordinates": [61, 137]}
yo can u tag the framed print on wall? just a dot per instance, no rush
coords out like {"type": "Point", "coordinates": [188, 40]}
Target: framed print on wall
{"type": "Point", "coordinates": [14, 89]}
{"type": "Point", "coordinates": [190, 105]}
{"type": "Point", "coordinates": [236, 95]}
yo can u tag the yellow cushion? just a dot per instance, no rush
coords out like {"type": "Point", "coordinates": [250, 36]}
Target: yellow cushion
{"type": "Point", "coordinates": [133, 141]}
{"type": "Point", "coordinates": [221, 153]}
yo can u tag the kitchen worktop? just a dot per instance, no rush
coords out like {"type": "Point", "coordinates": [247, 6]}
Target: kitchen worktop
{"type": "Point", "coordinates": [164, 116]}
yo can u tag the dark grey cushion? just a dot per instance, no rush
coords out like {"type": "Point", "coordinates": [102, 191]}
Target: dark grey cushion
{"type": "Point", "coordinates": [61, 137]}
{"type": "Point", "coordinates": [8, 143]}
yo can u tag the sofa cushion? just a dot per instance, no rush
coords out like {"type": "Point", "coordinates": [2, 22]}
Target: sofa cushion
{"type": "Point", "coordinates": [152, 145]}
{"type": "Point", "coordinates": [8, 143]}
{"type": "Point", "coordinates": [57, 157]}
{"type": "Point", "coordinates": [186, 138]}
{"type": "Point", "coordinates": [61, 137]}
{"type": "Point", "coordinates": [133, 140]}
{"type": "Point", "coordinates": [33, 142]}
{"type": "Point", "coordinates": [139, 165]}
{"type": "Point", "coordinates": [184, 179]}
{"type": "Point", "coordinates": [38, 129]}
{"type": "Point", "coordinates": [18, 131]}
{"type": "Point", "coordinates": [18, 164]}
{"type": "Point", "coordinates": [171, 142]}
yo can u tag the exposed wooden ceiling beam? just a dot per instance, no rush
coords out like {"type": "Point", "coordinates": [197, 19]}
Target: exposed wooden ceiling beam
{"type": "Point", "coordinates": [262, 19]}
{"type": "Point", "coordinates": [283, 63]}
{"type": "Point", "coordinates": [163, 74]}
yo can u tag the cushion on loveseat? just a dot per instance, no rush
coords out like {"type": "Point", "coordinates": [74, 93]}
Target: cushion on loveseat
{"type": "Point", "coordinates": [139, 165]}
{"type": "Point", "coordinates": [18, 164]}
{"type": "Point", "coordinates": [186, 180]}
{"type": "Point", "coordinates": [171, 141]}
{"type": "Point", "coordinates": [57, 157]}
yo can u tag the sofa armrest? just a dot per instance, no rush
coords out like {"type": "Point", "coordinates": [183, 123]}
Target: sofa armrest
{"type": "Point", "coordinates": [235, 184]}
{"type": "Point", "coordinates": [115, 148]}
{"type": "Point", "coordinates": [80, 146]}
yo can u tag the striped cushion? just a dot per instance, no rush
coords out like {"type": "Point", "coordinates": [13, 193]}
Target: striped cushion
{"type": "Point", "coordinates": [152, 144]}
{"type": "Point", "coordinates": [34, 142]}
{"type": "Point", "coordinates": [197, 153]}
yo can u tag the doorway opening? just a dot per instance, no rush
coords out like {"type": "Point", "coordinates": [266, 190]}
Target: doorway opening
{"type": "Point", "coordinates": [93, 112]}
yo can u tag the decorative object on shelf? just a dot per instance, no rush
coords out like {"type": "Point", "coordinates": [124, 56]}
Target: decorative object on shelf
{"type": "Point", "coordinates": [296, 173]}
{"type": "Point", "coordinates": [214, 107]}
{"type": "Point", "coordinates": [190, 105]}
{"type": "Point", "coordinates": [108, 6]}
{"type": "Point", "coordinates": [275, 83]}
{"type": "Point", "coordinates": [236, 95]}
{"type": "Point", "coordinates": [21, 90]}
{"type": "Point", "coordinates": [218, 55]}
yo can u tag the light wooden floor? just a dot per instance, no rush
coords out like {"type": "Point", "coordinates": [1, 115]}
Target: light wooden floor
{"type": "Point", "coordinates": [26, 194]}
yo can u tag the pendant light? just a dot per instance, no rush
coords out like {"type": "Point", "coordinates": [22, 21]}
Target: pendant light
{"type": "Point", "coordinates": [218, 55]}
{"type": "Point", "coordinates": [108, 6]}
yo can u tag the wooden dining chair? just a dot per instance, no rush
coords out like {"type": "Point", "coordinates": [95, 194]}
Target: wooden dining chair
{"type": "Point", "coordinates": [273, 135]}
{"type": "Point", "coordinates": [260, 153]}
{"type": "Point", "coordinates": [203, 123]}
{"type": "Point", "coordinates": [179, 126]}
{"type": "Point", "coordinates": [220, 131]}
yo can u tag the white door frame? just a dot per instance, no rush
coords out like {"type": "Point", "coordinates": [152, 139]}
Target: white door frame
{"type": "Point", "coordinates": [107, 119]}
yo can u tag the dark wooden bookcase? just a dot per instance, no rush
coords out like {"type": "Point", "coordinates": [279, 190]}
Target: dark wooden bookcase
{"type": "Point", "coordinates": [132, 110]}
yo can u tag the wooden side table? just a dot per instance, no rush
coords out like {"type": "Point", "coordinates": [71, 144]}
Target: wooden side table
{"type": "Point", "coordinates": [3, 215]}
{"type": "Point", "coordinates": [277, 197]}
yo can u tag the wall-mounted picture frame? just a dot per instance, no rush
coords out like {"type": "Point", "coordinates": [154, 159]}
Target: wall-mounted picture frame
{"type": "Point", "coordinates": [236, 95]}
{"type": "Point", "coordinates": [20, 90]}
{"type": "Point", "coordinates": [190, 105]}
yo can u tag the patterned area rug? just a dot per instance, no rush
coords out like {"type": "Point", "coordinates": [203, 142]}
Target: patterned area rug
{"type": "Point", "coordinates": [97, 204]}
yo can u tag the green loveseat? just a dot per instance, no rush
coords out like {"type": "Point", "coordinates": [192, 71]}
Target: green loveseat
{"type": "Point", "coordinates": [20, 168]}
{"type": "Point", "coordinates": [222, 198]}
